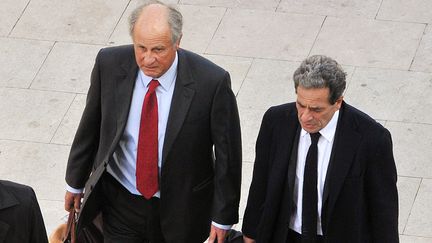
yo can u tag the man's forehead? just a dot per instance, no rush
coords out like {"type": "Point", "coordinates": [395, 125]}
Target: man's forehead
{"type": "Point", "coordinates": [311, 104]}
{"type": "Point", "coordinates": [312, 96]}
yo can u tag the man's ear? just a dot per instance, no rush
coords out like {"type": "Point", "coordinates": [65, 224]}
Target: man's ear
{"type": "Point", "coordinates": [338, 102]}
{"type": "Point", "coordinates": [177, 44]}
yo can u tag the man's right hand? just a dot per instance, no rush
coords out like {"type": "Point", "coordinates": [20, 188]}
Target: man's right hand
{"type": "Point", "coordinates": [73, 200]}
{"type": "Point", "coordinates": [247, 239]}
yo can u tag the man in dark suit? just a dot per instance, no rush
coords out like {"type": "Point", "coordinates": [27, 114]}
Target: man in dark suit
{"type": "Point", "coordinates": [20, 216]}
{"type": "Point", "coordinates": [351, 195]}
{"type": "Point", "coordinates": [196, 147]}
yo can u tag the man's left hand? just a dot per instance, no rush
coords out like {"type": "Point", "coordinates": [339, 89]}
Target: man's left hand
{"type": "Point", "coordinates": [217, 235]}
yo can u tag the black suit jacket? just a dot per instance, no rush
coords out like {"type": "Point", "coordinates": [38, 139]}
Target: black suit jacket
{"type": "Point", "coordinates": [197, 185]}
{"type": "Point", "coordinates": [20, 216]}
{"type": "Point", "coordinates": [360, 200]}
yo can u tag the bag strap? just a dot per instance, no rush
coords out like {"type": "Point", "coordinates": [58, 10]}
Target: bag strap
{"type": "Point", "coordinates": [70, 228]}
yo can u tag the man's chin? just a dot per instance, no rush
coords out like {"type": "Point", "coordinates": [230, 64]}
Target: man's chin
{"type": "Point", "coordinates": [310, 129]}
{"type": "Point", "coordinates": [151, 73]}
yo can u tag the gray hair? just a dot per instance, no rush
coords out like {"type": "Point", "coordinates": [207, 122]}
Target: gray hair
{"type": "Point", "coordinates": [321, 72]}
{"type": "Point", "coordinates": [175, 19]}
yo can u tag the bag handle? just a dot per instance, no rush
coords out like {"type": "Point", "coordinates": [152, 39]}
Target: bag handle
{"type": "Point", "coordinates": [70, 228]}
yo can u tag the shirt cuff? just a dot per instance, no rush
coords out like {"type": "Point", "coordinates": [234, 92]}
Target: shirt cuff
{"type": "Point", "coordinates": [221, 226]}
{"type": "Point", "coordinates": [74, 190]}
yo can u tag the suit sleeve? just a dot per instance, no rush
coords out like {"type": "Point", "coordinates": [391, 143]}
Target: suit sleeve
{"type": "Point", "coordinates": [258, 188]}
{"type": "Point", "coordinates": [226, 136]}
{"type": "Point", "coordinates": [85, 144]}
{"type": "Point", "coordinates": [381, 178]}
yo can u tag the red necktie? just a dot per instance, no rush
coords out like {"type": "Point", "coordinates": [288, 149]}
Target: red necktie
{"type": "Point", "coordinates": [147, 153]}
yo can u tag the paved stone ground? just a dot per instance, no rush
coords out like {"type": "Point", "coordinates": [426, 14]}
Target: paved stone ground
{"type": "Point", "coordinates": [47, 49]}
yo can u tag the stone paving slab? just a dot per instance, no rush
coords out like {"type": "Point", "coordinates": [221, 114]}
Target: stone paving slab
{"type": "Point", "coordinates": [238, 67]}
{"type": "Point", "coordinates": [392, 94]}
{"type": "Point", "coordinates": [423, 59]}
{"type": "Point", "coordinates": [39, 165]}
{"type": "Point", "coordinates": [242, 4]}
{"type": "Point", "coordinates": [414, 239]}
{"type": "Point", "coordinates": [369, 43]}
{"type": "Point", "coordinates": [200, 24]}
{"type": "Point", "coordinates": [66, 71]}
{"type": "Point", "coordinates": [407, 188]}
{"type": "Point", "coordinates": [75, 21]}
{"type": "Point", "coordinates": [255, 33]}
{"type": "Point", "coordinates": [268, 83]}
{"type": "Point", "coordinates": [419, 11]}
{"type": "Point", "coordinates": [420, 220]}
{"type": "Point", "coordinates": [412, 145]}
{"type": "Point", "coordinates": [351, 9]}
{"type": "Point", "coordinates": [69, 124]}
{"type": "Point", "coordinates": [250, 121]}
{"type": "Point", "coordinates": [18, 67]}
{"type": "Point", "coordinates": [31, 115]}
{"type": "Point", "coordinates": [10, 11]}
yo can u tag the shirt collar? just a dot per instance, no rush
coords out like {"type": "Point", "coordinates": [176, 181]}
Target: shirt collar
{"type": "Point", "coordinates": [328, 132]}
{"type": "Point", "coordinates": [166, 80]}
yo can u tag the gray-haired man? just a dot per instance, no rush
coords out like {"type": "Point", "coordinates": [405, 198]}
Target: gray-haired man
{"type": "Point", "coordinates": [324, 171]}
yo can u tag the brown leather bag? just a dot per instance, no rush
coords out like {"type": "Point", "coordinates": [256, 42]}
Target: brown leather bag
{"type": "Point", "coordinates": [70, 234]}
{"type": "Point", "coordinates": [66, 233]}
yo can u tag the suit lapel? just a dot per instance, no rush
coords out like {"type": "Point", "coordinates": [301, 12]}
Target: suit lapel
{"type": "Point", "coordinates": [181, 101]}
{"type": "Point", "coordinates": [123, 91]}
{"type": "Point", "coordinates": [292, 165]}
{"type": "Point", "coordinates": [344, 149]}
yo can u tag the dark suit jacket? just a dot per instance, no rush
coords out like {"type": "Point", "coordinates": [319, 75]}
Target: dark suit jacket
{"type": "Point", "coordinates": [197, 185]}
{"type": "Point", "coordinates": [20, 216]}
{"type": "Point", "coordinates": [360, 194]}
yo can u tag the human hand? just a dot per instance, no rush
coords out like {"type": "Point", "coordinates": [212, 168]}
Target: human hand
{"type": "Point", "coordinates": [247, 239]}
{"type": "Point", "coordinates": [217, 235]}
{"type": "Point", "coordinates": [73, 201]}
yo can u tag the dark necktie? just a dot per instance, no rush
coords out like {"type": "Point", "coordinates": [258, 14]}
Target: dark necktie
{"type": "Point", "coordinates": [147, 152]}
{"type": "Point", "coordinates": [310, 193]}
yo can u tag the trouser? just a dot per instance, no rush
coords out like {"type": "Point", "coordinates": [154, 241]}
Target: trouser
{"type": "Point", "coordinates": [128, 218]}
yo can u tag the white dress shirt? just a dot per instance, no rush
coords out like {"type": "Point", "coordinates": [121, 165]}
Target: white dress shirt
{"type": "Point", "coordinates": [325, 144]}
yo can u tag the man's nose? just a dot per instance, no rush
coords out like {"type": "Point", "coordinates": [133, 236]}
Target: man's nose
{"type": "Point", "coordinates": [148, 58]}
{"type": "Point", "coordinates": [306, 115]}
